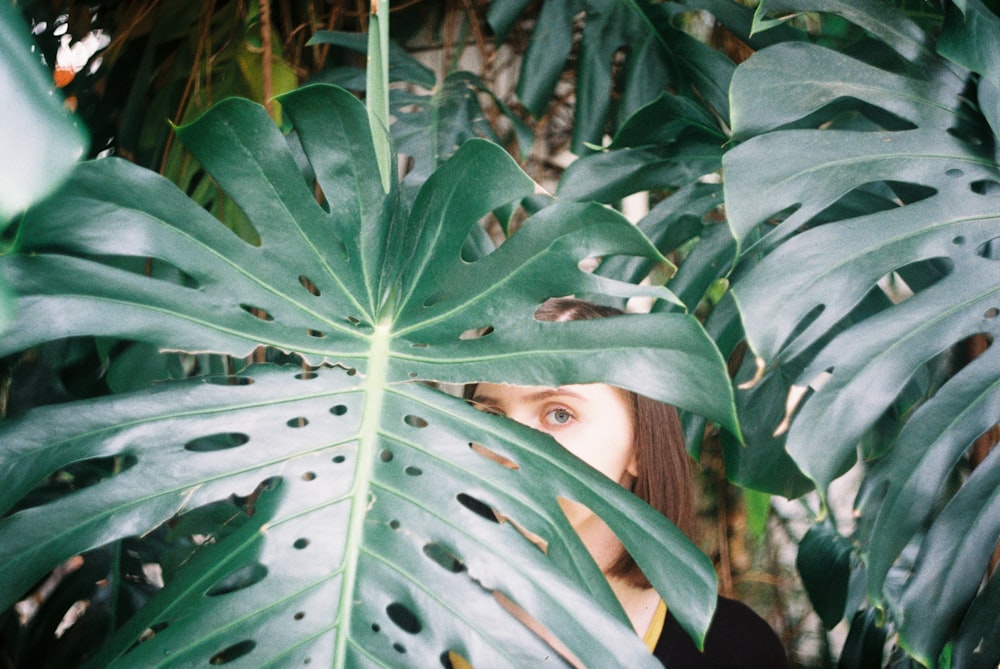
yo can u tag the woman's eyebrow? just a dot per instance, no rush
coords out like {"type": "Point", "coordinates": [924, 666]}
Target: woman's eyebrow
{"type": "Point", "coordinates": [543, 394]}
{"type": "Point", "coordinates": [554, 392]}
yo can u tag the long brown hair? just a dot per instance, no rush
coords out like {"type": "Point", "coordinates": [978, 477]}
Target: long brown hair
{"type": "Point", "coordinates": [664, 479]}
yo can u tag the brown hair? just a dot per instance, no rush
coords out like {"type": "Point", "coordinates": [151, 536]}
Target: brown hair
{"type": "Point", "coordinates": [664, 479]}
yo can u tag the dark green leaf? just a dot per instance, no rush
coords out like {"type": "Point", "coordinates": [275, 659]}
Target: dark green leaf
{"type": "Point", "coordinates": [883, 19]}
{"type": "Point", "coordinates": [502, 15]}
{"type": "Point", "coordinates": [865, 640]}
{"type": "Point", "coordinates": [868, 183]}
{"type": "Point", "coordinates": [969, 38]}
{"type": "Point", "coordinates": [927, 452]}
{"type": "Point", "coordinates": [613, 174]}
{"type": "Point", "coordinates": [790, 81]}
{"type": "Point", "coordinates": [824, 563]}
{"type": "Point", "coordinates": [964, 533]}
{"type": "Point", "coordinates": [551, 41]}
{"type": "Point", "coordinates": [977, 646]}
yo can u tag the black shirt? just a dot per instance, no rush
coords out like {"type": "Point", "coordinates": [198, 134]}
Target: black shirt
{"type": "Point", "coordinates": [737, 639]}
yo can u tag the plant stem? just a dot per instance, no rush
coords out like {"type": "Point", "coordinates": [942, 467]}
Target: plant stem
{"type": "Point", "coordinates": [377, 97]}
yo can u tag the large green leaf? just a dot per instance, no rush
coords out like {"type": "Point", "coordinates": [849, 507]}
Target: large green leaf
{"type": "Point", "coordinates": [369, 474]}
{"type": "Point", "coordinates": [865, 194]}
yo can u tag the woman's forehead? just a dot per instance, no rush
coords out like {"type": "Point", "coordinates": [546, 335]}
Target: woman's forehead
{"type": "Point", "coordinates": [506, 392]}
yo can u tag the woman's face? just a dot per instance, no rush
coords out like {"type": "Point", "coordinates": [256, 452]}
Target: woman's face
{"type": "Point", "coordinates": [592, 421]}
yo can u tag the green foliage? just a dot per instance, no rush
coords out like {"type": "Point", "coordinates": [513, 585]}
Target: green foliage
{"type": "Point", "coordinates": [358, 500]}
{"type": "Point", "coordinates": [655, 56]}
{"type": "Point", "coordinates": [857, 225]}
{"type": "Point", "coordinates": [865, 170]}
{"type": "Point", "coordinates": [873, 225]}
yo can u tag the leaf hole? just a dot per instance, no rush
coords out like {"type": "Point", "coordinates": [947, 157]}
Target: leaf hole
{"type": "Point", "coordinates": [413, 375]}
{"type": "Point", "coordinates": [298, 421]}
{"type": "Point", "coordinates": [895, 288]}
{"type": "Point", "coordinates": [309, 285]}
{"type": "Point", "coordinates": [415, 421]}
{"type": "Point", "coordinates": [338, 459]}
{"type": "Point", "coordinates": [399, 648]}
{"type": "Point", "coordinates": [299, 616]}
{"type": "Point", "coordinates": [395, 524]}
{"type": "Point", "coordinates": [476, 333]}
{"type": "Point", "coordinates": [985, 187]}
{"type": "Point", "coordinates": [316, 333]}
{"type": "Point", "coordinates": [242, 578]}
{"type": "Point", "coordinates": [479, 508]}
{"type": "Point", "coordinates": [152, 631]}
{"type": "Point", "coordinates": [992, 312]}
{"type": "Point", "coordinates": [431, 300]}
{"type": "Point", "coordinates": [338, 410]}
{"type": "Point", "coordinates": [217, 442]}
{"type": "Point", "coordinates": [959, 240]}
{"type": "Point", "coordinates": [954, 173]}
{"type": "Point", "coordinates": [448, 658]}
{"type": "Point", "coordinates": [385, 455]}
{"type": "Point", "coordinates": [965, 135]}
{"type": "Point", "coordinates": [404, 618]}
{"type": "Point", "coordinates": [300, 543]}
{"type": "Point", "coordinates": [418, 345]}
{"type": "Point", "coordinates": [257, 312]}
{"type": "Point", "coordinates": [354, 321]}
{"type": "Point", "coordinates": [306, 376]}
{"type": "Point", "coordinates": [540, 543]}
{"type": "Point", "coordinates": [376, 628]}
{"type": "Point", "coordinates": [990, 249]}
{"type": "Point", "coordinates": [234, 652]}
{"type": "Point", "coordinates": [413, 471]}
{"type": "Point", "coordinates": [228, 380]}
{"type": "Point", "coordinates": [489, 454]}
{"type": "Point", "coordinates": [74, 477]}
{"type": "Point", "coordinates": [309, 476]}
{"type": "Point", "coordinates": [443, 557]}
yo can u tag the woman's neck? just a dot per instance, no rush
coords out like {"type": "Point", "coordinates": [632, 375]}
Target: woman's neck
{"type": "Point", "coordinates": [639, 603]}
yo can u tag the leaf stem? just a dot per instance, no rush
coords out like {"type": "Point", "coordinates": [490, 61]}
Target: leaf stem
{"type": "Point", "coordinates": [377, 96]}
{"type": "Point", "coordinates": [374, 393]}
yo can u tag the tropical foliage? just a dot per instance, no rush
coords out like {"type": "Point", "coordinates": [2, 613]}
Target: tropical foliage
{"type": "Point", "coordinates": [336, 511]}
{"type": "Point", "coordinates": [878, 207]}
{"type": "Point", "coordinates": [830, 200]}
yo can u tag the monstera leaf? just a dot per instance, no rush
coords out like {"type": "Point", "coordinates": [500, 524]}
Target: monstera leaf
{"type": "Point", "coordinates": [674, 146]}
{"type": "Point", "coordinates": [340, 513]}
{"type": "Point", "coordinates": [878, 238]}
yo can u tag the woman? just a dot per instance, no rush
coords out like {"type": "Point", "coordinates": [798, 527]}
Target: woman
{"type": "Point", "coordinates": [639, 443]}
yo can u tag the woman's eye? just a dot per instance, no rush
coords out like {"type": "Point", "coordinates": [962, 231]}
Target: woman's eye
{"type": "Point", "coordinates": [558, 416]}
